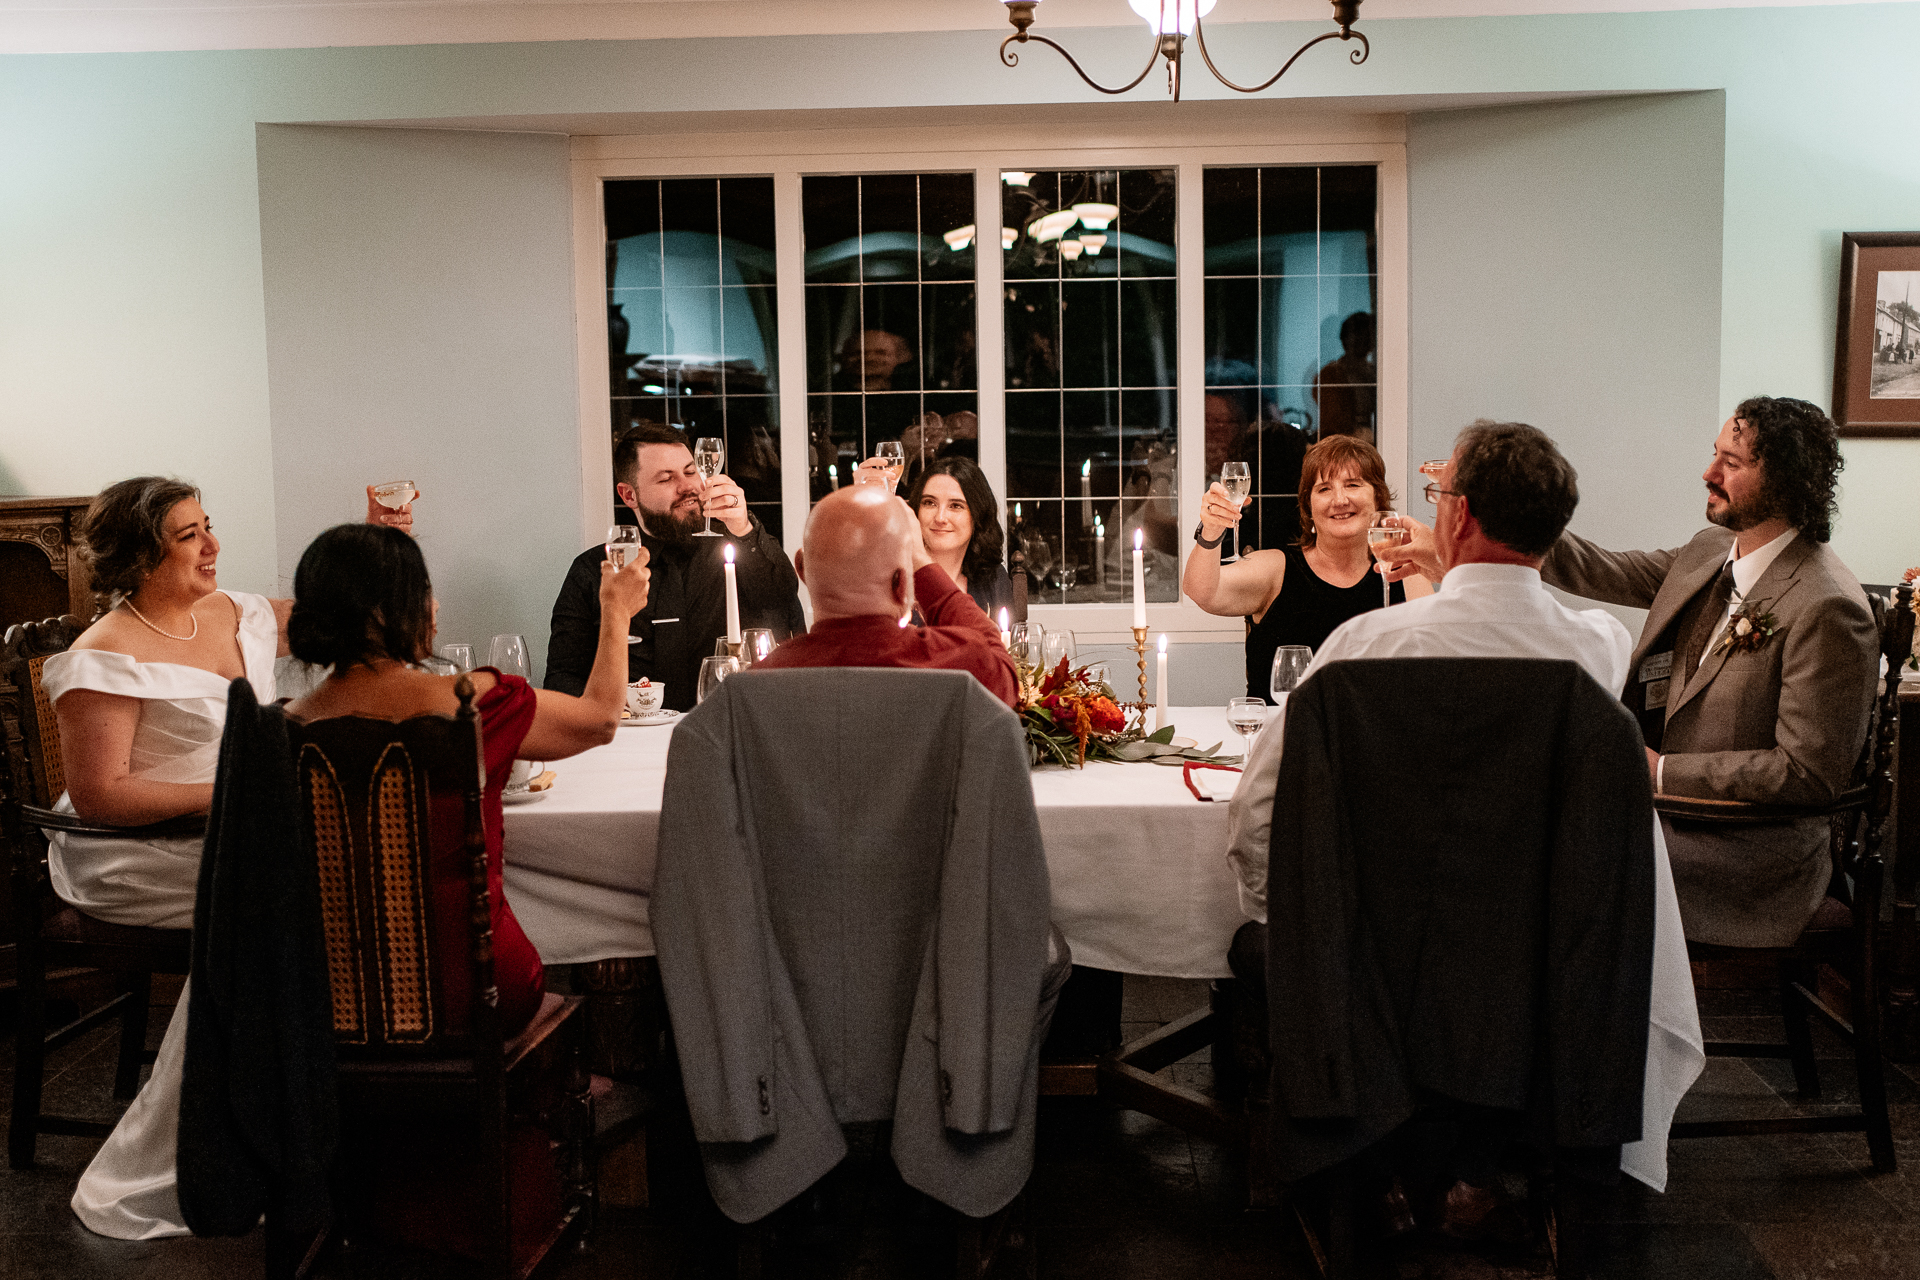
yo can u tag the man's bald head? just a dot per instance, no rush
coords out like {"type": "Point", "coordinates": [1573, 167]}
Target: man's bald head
{"type": "Point", "coordinates": [857, 559]}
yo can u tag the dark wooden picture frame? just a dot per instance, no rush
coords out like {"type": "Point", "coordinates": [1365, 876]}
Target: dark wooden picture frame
{"type": "Point", "coordinates": [1877, 343]}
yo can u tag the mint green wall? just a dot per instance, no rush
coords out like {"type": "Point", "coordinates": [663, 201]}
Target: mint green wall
{"type": "Point", "coordinates": [132, 322]}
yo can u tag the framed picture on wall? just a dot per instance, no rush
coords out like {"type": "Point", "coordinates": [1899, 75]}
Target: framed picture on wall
{"type": "Point", "coordinates": [1876, 364]}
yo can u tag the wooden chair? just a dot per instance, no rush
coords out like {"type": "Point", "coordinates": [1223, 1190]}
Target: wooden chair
{"type": "Point", "coordinates": [56, 941]}
{"type": "Point", "coordinates": [1831, 971]}
{"type": "Point", "coordinates": [394, 814]}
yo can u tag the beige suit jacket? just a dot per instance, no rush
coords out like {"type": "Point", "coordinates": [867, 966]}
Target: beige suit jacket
{"type": "Point", "coordinates": [1781, 723]}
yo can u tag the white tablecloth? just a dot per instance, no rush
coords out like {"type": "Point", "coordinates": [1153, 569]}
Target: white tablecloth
{"type": "Point", "coordinates": [1140, 877]}
{"type": "Point", "coordinates": [1138, 867]}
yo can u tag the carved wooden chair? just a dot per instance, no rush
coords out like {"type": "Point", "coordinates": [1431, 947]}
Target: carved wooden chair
{"type": "Point", "coordinates": [394, 814]}
{"type": "Point", "coordinates": [1831, 971]}
{"type": "Point", "coordinates": [55, 940]}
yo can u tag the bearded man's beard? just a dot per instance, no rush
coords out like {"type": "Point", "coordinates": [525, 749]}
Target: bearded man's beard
{"type": "Point", "coordinates": [676, 531]}
{"type": "Point", "coordinates": [1736, 517]}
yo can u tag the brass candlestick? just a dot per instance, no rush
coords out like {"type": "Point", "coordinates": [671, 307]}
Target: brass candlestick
{"type": "Point", "coordinates": [734, 649]}
{"type": "Point", "coordinates": [1140, 651]}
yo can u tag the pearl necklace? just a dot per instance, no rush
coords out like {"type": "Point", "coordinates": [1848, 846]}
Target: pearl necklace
{"type": "Point", "coordinates": [168, 634]}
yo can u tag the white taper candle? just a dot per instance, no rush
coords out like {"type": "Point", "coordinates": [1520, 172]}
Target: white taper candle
{"type": "Point", "coordinates": [733, 598]}
{"type": "Point", "coordinates": [1139, 579]}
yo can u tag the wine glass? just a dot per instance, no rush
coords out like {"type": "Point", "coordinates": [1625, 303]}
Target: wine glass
{"type": "Point", "coordinates": [1246, 715]}
{"type": "Point", "coordinates": [1385, 532]}
{"type": "Point", "coordinates": [1237, 479]}
{"type": "Point", "coordinates": [713, 672]}
{"type": "Point", "coordinates": [893, 460]}
{"type": "Point", "coordinates": [1024, 639]}
{"type": "Point", "coordinates": [1068, 575]}
{"type": "Point", "coordinates": [623, 544]}
{"type": "Point", "coordinates": [709, 455]}
{"type": "Point", "coordinates": [1057, 644]}
{"type": "Point", "coordinates": [395, 494]}
{"type": "Point", "coordinates": [508, 655]}
{"type": "Point", "coordinates": [755, 644]}
{"type": "Point", "coordinates": [460, 655]}
{"type": "Point", "coordinates": [1290, 662]}
{"type": "Point", "coordinates": [1039, 556]}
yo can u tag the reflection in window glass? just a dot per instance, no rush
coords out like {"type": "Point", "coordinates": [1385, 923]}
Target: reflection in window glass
{"type": "Point", "coordinates": [1291, 289]}
{"type": "Point", "coordinates": [1092, 323]}
{"type": "Point", "coordinates": [890, 320]}
{"type": "Point", "coordinates": [691, 320]}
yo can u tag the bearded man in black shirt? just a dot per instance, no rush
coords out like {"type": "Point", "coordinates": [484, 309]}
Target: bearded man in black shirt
{"type": "Point", "coordinates": [686, 608]}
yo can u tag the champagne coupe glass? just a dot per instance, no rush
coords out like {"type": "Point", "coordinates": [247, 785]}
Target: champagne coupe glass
{"type": "Point", "coordinates": [1385, 532]}
{"type": "Point", "coordinates": [713, 672]}
{"type": "Point", "coordinates": [623, 544]}
{"type": "Point", "coordinates": [1237, 479]}
{"type": "Point", "coordinates": [1290, 662]}
{"type": "Point", "coordinates": [460, 655]}
{"type": "Point", "coordinates": [1058, 644]}
{"type": "Point", "coordinates": [395, 494]}
{"type": "Point", "coordinates": [709, 455]}
{"type": "Point", "coordinates": [893, 460]}
{"type": "Point", "coordinates": [1246, 715]}
{"type": "Point", "coordinates": [508, 655]}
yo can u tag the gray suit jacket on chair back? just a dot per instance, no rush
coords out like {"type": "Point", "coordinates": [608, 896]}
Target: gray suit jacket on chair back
{"type": "Point", "coordinates": [851, 910]}
{"type": "Point", "coordinates": [1781, 723]}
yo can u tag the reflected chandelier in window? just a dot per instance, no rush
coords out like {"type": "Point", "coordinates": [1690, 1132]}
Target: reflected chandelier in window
{"type": "Point", "coordinates": [1172, 21]}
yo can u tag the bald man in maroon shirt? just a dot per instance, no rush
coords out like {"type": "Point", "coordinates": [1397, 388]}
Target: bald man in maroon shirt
{"type": "Point", "coordinates": [866, 567]}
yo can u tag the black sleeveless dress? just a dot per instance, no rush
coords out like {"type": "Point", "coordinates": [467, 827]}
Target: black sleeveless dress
{"type": "Point", "coordinates": [1307, 611]}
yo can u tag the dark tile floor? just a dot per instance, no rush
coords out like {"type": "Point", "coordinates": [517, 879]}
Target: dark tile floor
{"type": "Point", "coordinates": [1117, 1195]}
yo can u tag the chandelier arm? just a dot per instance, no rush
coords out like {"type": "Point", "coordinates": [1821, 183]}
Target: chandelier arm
{"type": "Point", "coordinates": [1013, 60]}
{"type": "Point", "coordinates": [1359, 56]}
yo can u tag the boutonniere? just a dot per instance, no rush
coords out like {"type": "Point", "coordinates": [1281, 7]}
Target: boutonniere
{"type": "Point", "coordinates": [1748, 628]}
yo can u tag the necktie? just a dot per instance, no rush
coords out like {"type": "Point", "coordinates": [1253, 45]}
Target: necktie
{"type": "Point", "coordinates": [1719, 594]}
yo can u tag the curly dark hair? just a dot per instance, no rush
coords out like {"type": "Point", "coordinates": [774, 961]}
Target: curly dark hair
{"type": "Point", "coordinates": [123, 535]}
{"type": "Point", "coordinates": [1516, 484]}
{"type": "Point", "coordinates": [1799, 455]}
{"type": "Point", "coordinates": [361, 592]}
{"type": "Point", "coordinates": [988, 542]}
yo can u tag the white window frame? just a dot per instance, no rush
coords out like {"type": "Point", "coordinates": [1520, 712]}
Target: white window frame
{"type": "Point", "coordinates": [789, 154]}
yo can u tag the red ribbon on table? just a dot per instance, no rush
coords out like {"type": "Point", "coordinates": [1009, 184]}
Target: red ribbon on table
{"type": "Point", "coordinates": [1186, 776]}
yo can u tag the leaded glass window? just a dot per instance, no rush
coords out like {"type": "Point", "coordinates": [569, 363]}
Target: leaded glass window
{"type": "Point", "coordinates": [691, 330]}
{"type": "Point", "coordinates": [1092, 324]}
{"type": "Point", "coordinates": [891, 346]}
{"type": "Point", "coordinates": [1292, 288]}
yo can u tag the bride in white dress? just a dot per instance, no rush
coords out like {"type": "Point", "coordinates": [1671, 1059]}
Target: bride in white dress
{"type": "Point", "coordinates": [141, 701]}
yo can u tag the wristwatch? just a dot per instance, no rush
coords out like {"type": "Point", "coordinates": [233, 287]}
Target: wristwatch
{"type": "Point", "coordinates": [1203, 542]}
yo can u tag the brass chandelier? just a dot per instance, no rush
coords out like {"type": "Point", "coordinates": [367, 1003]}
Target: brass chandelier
{"type": "Point", "coordinates": [1172, 21]}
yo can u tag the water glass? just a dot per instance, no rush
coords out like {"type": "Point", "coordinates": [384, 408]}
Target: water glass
{"type": "Point", "coordinates": [623, 544]}
{"type": "Point", "coordinates": [1068, 575]}
{"type": "Point", "coordinates": [1025, 642]}
{"type": "Point", "coordinates": [508, 655]}
{"type": "Point", "coordinates": [713, 672]}
{"type": "Point", "coordinates": [1290, 662]}
{"type": "Point", "coordinates": [1246, 715]}
{"type": "Point", "coordinates": [460, 655]}
{"type": "Point", "coordinates": [755, 644]}
{"type": "Point", "coordinates": [1056, 645]}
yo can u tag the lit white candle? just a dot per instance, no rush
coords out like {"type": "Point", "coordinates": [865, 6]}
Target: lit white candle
{"type": "Point", "coordinates": [1100, 552]}
{"type": "Point", "coordinates": [833, 475]}
{"type": "Point", "coordinates": [1139, 579]}
{"type": "Point", "coordinates": [1006, 631]}
{"type": "Point", "coordinates": [733, 598]}
{"type": "Point", "coordinates": [1086, 493]}
{"type": "Point", "coordinates": [1160, 693]}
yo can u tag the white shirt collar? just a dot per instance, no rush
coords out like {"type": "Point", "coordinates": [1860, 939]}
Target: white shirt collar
{"type": "Point", "coordinates": [1478, 573]}
{"type": "Point", "coordinates": [1748, 568]}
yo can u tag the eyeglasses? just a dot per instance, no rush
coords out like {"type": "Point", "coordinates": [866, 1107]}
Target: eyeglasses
{"type": "Point", "coordinates": [1433, 492]}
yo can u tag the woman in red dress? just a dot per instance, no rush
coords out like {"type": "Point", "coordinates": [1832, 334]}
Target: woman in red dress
{"type": "Point", "coordinates": [363, 606]}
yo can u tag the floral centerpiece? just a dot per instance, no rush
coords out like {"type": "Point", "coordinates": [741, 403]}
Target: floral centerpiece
{"type": "Point", "coordinates": [1070, 716]}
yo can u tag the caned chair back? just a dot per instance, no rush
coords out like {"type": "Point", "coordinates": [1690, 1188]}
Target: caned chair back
{"type": "Point", "coordinates": [393, 813]}
{"type": "Point", "coordinates": [39, 775]}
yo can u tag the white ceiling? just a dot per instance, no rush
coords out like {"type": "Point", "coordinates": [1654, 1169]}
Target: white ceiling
{"type": "Point", "coordinates": [96, 26]}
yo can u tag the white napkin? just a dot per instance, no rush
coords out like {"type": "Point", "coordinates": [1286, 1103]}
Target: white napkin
{"type": "Point", "coordinates": [1215, 784]}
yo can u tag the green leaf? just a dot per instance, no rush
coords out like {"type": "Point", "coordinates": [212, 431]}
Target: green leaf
{"type": "Point", "coordinates": [1162, 736]}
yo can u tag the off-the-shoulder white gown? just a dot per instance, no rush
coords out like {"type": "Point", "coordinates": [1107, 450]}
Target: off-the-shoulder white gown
{"type": "Point", "coordinates": [129, 1190]}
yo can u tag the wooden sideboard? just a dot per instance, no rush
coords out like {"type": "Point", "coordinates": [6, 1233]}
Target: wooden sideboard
{"type": "Point", "coordinates": [41, 576]}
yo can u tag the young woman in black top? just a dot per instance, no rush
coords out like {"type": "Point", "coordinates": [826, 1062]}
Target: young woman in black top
{"type": "Point", "coordinates": [1298, 595]}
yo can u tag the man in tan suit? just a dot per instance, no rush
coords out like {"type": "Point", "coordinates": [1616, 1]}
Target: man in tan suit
{"type": "Point", "coordinates": [1753, 678]}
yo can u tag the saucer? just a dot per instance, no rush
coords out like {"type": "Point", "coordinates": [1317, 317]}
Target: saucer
{"type": "Point", "coordinates": [524, 797]}
{"type": "Point", "coordinates": [658, 717]}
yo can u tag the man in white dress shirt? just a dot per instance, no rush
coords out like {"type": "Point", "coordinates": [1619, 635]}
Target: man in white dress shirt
{"type": "Point", "coordinates": [1503, 500]}
{"type": "Point", "coordinates": [1505, 496]}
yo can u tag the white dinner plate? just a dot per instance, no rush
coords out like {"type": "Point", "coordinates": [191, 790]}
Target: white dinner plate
{"type": "Point", "coordinates": [657, 718]}
{"type": "Point", "coordinates": [524, 797]}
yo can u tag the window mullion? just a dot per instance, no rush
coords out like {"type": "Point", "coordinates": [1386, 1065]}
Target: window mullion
{"type": "Point", "coordinates": [1190, 289]}
{"type": "Point", "coordinates": [990, 329]}
{"type": "Point", "coordinates": [789, 274]}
